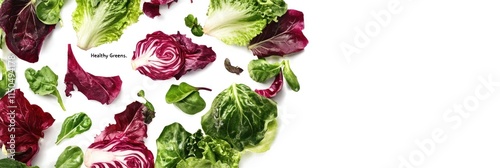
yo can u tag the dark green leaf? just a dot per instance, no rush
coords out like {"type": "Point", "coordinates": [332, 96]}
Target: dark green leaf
{"type": "Point", "coordinates": [178, 92]}
{"type": "Point", "coordinates": [190, 21]}
{"type": "Point", "coordinates": [11, 163]}
{"type": "Point", "coordinates": [290, 77]}
{"type": "Point", "coordinates": [197, 30]}
{"type": "Point", "coordinates": [71, 157]}
{"type": "Point", "coordinates": [43, 82]}
{"type": "Point", "coordinates": [192, 104]}
{"type": "Point", "coordinates": [260, 70]}
{"type": "Point", "coordinates": [74, 125]}
{"type": "Point", "coordinates": [171, 146]}
{"type": "Point", "coordinates": [48, 11]}
{"type": "Point", "coordinates": [240, 116]}
{"type": "Point", "coordinates": [192, 149]}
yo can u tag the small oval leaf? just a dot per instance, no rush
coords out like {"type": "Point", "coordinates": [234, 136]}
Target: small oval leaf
{"type": "Point", "coordinates": [74, 125]}
{"type": "Point", "coordinates": [71, 157]}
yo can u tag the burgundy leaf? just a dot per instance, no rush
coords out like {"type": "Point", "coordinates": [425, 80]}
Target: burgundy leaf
{"type": "Point", "coordinates": [23, 121]}
{"type": "Point", "coordinates": [158, 56]}
{"type": "Point", "coordinates": [151, 10]}
{"type": "Point", "coordinates": [197, 56]}
{"type": "Point", "coordinates": [130, 125]}
{"type": "Point", "coordinates": [118, 154]}
{"type": "Point", "coordinates": [274, 89]}
{"type": "Point", "coordinates": [24, 32]}
{"type": "Point", "coordinates": [102, 89]}
{"type": "Point", "coordinates": [282, 37]}
{"type": "Point", "coordinates": [162, 2]}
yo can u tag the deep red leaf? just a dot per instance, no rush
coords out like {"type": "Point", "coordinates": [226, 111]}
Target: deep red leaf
{"type": "Point", "coordinates": [22, 125]}
{"type": "Point", "coordinates": [281, 38]}
{"type": "Point", "coordinates": [24, 32]}
{"type": "Point", "coordinates": [102, 89]}
{"type": "Point", "coordinates": [130, 125]}
{"type": "Point", "coordinates": [151, 10]}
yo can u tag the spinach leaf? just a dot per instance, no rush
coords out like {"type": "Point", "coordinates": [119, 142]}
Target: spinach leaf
{"type": "Point", "coordinates": [186, 97]}
{"type": "Point", "coordinates": [149, 114]}
{"type": "Point", "coordinates": [43, 82]}
{"type": "Point", "coordinates": [11, 163]}
{"type": "Point", "coordinates": [290, 77]}
{"type": "Point", "coordinates": [74, 125]}
{"type": "Point", "coordinates": [48, 11]}
{"type": "Point", "coordinates": [191, 104]}
{"type": "Point", "coordinates": [71, 157]}
{"type": "Point", "coordinates": [260, 70]}
{"type": "Point", "coordinates": [240, 116]}
{"type": "Point", "coordinates": [171, 146]}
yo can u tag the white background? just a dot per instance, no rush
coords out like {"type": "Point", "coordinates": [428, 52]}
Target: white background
{"type": "Point", "coordinates": [366, 112]}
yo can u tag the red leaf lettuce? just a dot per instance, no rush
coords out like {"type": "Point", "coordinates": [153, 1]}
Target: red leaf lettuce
{"type": "Point", "coordinates": [282, 37]}
{"type": "Point", "coordinates": [102, 89]}
{"type": "Point", "coordinates": [24, 32]}
{"type": "Point", "coordinates": [22, 125]}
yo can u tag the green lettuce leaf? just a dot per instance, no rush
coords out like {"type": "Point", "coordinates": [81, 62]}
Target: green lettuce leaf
{"type": "Point", "coordinates": [239, 21]}
{"type": "Point", "coordinates": [97, 22]}
{"type": "Point", "coordinates": [239, 116]}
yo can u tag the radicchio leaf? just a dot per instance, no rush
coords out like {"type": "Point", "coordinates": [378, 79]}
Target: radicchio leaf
{"type": "Point", "coordinates": [151, 10]}
{"type": "Point", "coordinates": [24, 32]}
{"type": "Point", "coordinates": [25, 122]}
{"type": "Point", "coordinates": [130, 125]}
{"type": "Point", "coordinates": [160, 56]}
{"type": "Point", "coordinates": [197, 56]}
{"type": "Point", "coordinates": [274, 89]}
{"type": "Point", "coordinates": [102, 89]}
{"type": "Point", "coordinates": [117, 153]}
{"type": "Point", "coordinates": [282, 37]}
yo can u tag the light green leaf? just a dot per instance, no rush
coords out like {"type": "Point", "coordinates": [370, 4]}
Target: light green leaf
{"type": "Point", "coordinates": [265, 144]}
{"type": "Point", "coordinates": [200, 163]}
{"type": "Point", "coordinates": [43, 82]}
{"type": "Point", "coordinates": [71, 157]}
{"type": "Point", "coordinates": [239, 21]}
{"type": "Point", "coordinates": [97, 22]}
{"type": "Point", "coordinates": [179, 92]}
{"type": "Point", "coordinates": [48, 11]}
{"type": "Point", "coordinates": [290, 77]}
{"type": "Point", "coordinates": [260, 70]}
{"type": "Point", "coordinates": [74, 125]}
